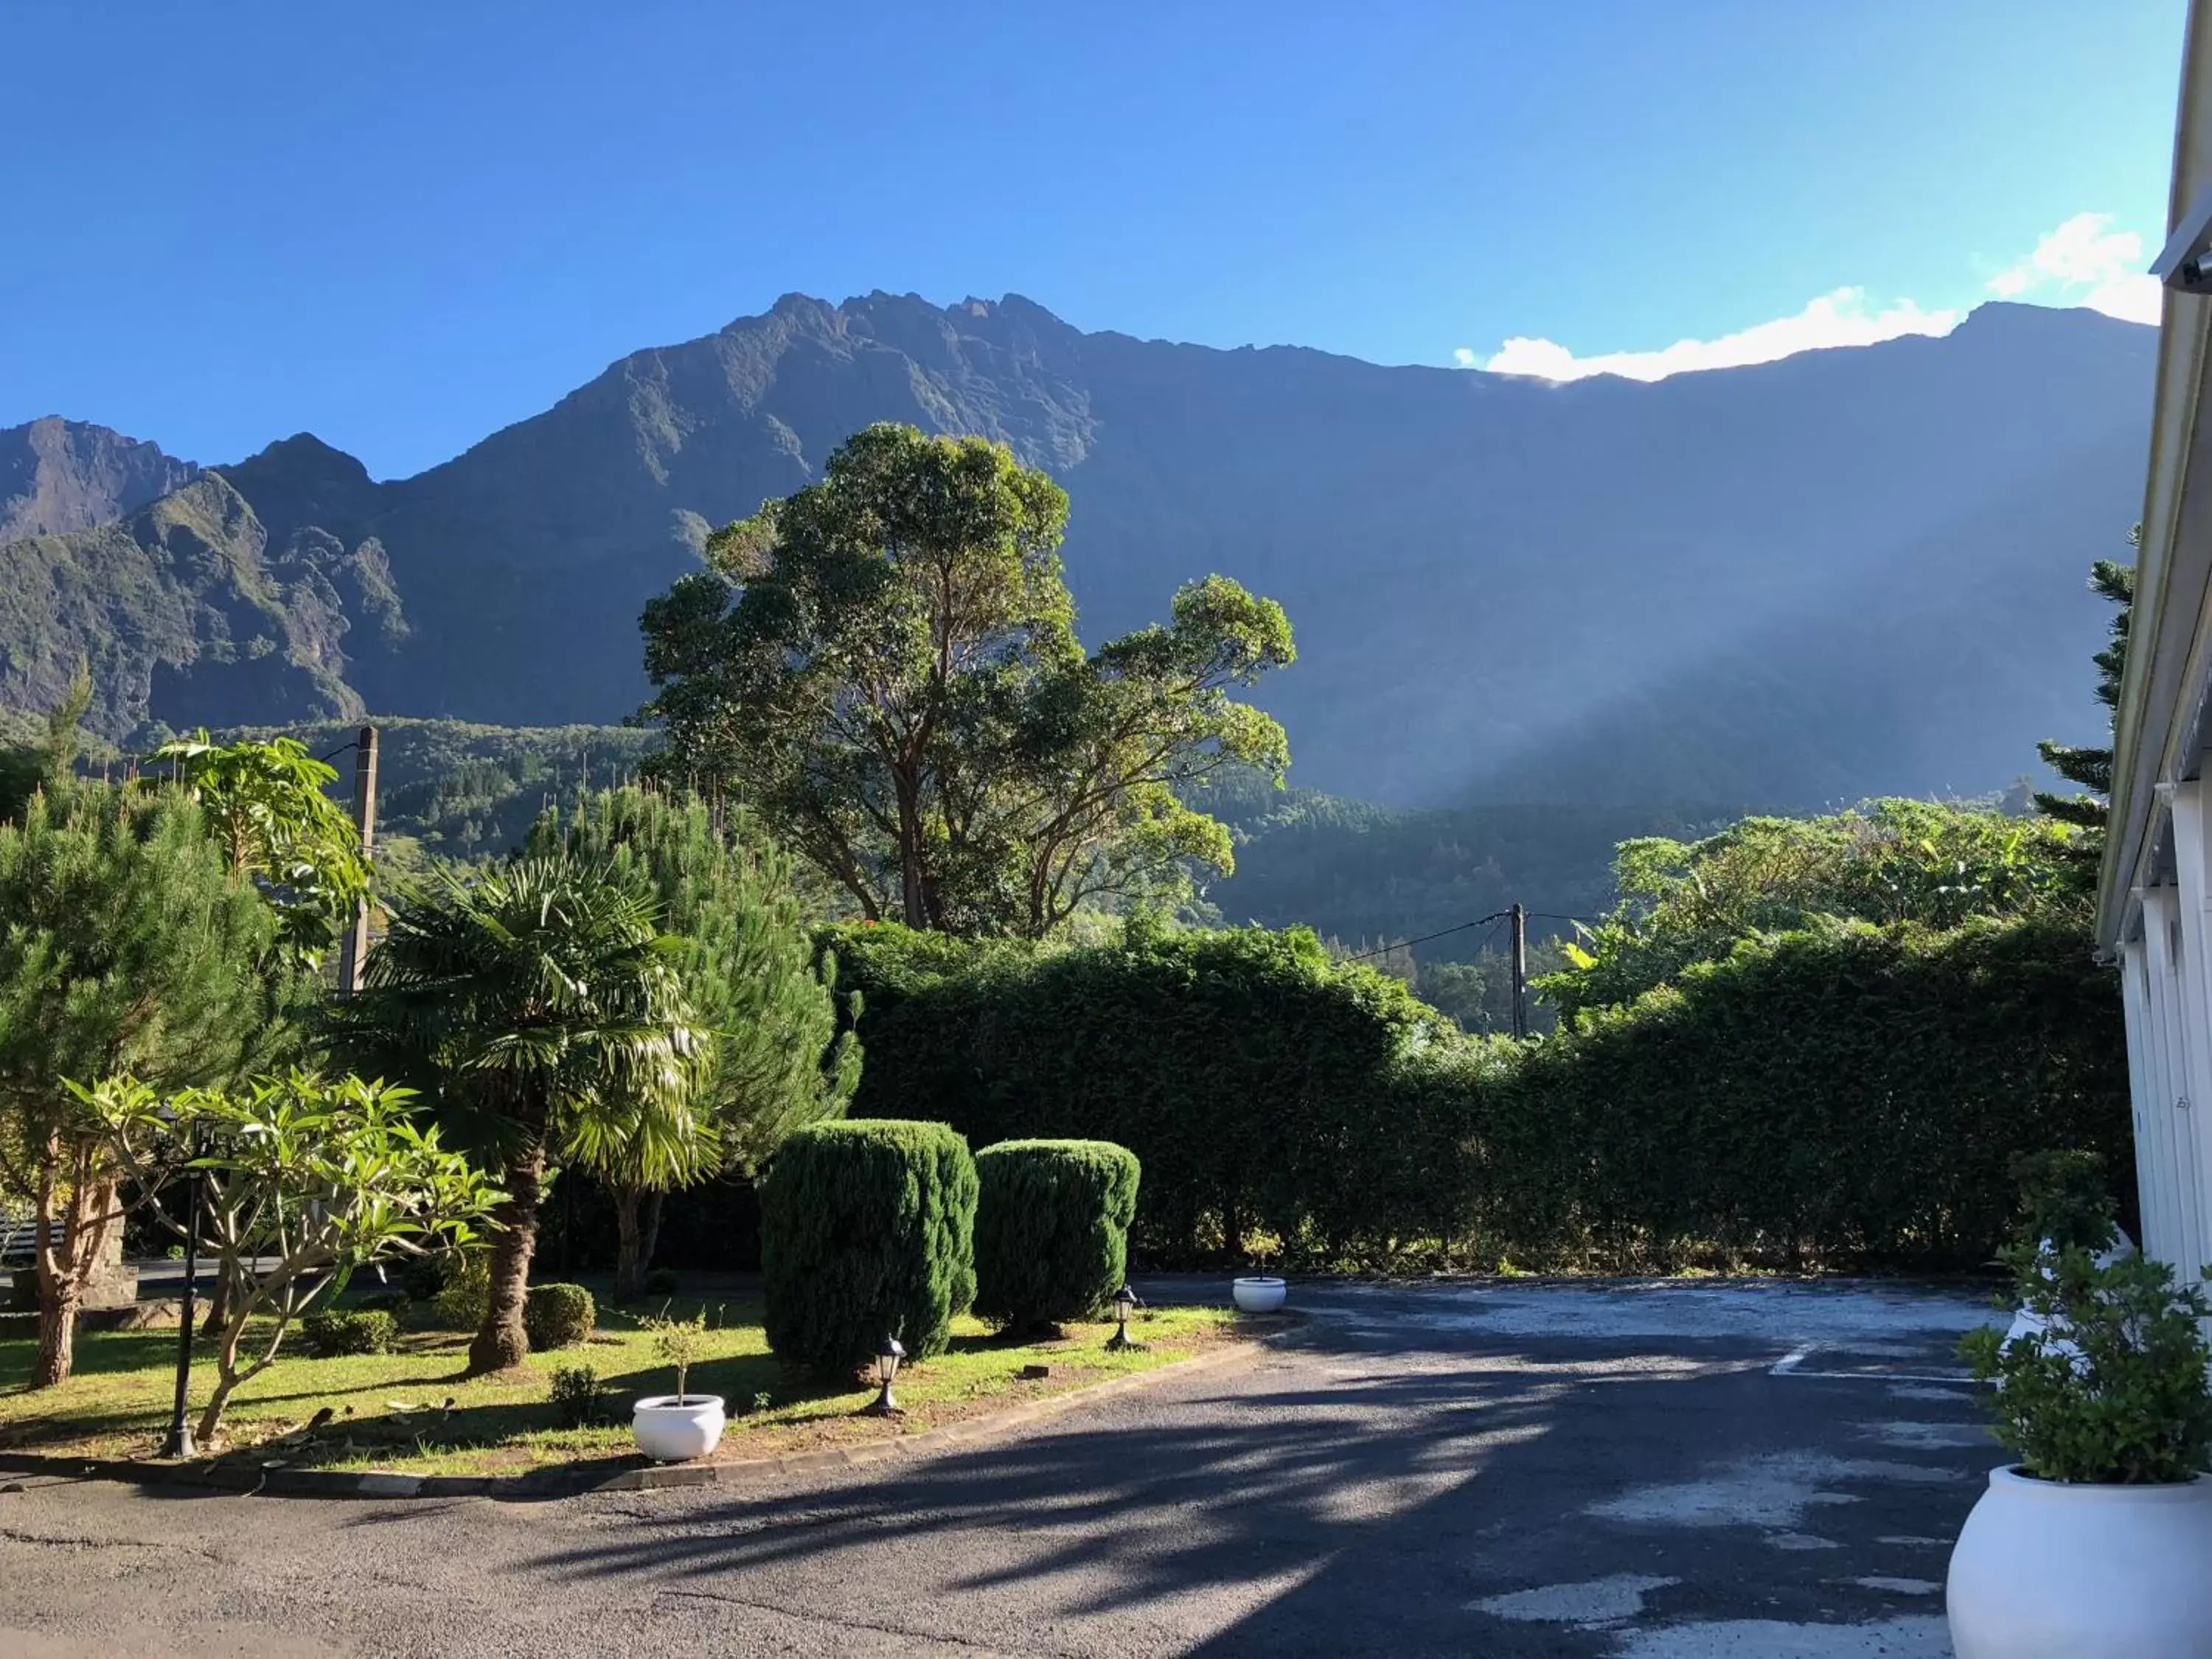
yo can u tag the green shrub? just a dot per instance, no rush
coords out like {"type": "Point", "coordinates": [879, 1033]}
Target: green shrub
{"type": "Point", "coordinates": [342, 1331]}
{"type": "Point", "coordinates": [558, 1315]}
{"type": "Point", "coordinates": [395, 1303]}
{"type": "Point", "coordinates": [2066, 1201]}
{"type": "Point", "coordinates": [1052, 1229]}
{"type": "Point", "coordinates": [423, 1276]}
{"type": "Point", "coordinates": [462, 1300]}
{"type": "Point", "coordinates": [1841, 1094]}
{"type": "Point", "coordinates": [868, 1230]}
{"type": "Point", "coordinates": [576, 1397]}
{"type": "Point", "coordinates": [661, 1281]}
{"type": "Point", "coordinates": [2112, 1390]}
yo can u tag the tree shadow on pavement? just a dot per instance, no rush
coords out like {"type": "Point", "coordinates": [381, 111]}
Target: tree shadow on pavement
{"type": "Point", "coordinates": [1346, 1500]}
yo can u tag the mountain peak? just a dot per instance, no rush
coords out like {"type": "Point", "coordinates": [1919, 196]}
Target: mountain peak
{"type": "Point", "coordinates": [59, 476]}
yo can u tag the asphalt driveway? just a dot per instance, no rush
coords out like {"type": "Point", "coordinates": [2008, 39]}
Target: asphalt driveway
{"type": "Point", "coordinates": [1645, 1471]}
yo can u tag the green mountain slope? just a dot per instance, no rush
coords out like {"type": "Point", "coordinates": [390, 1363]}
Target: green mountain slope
{"type": "Point", "coordinates": [187, 613]}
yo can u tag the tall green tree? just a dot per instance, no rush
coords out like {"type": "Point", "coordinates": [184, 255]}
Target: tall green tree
{"type": "Point", "coordinates": [885, 665]}
{"type": "Point", "coordinates": [746, 958]}
{"type": "Point", "coordinates": [266, 804]}
{"type": "Point", "coordinates": [126, 944]}
{"type": "Point", "coordinates": [2091, 766]}
{"type": "Point", "coordinates": [542, 1008]}
{"type": "Point", "coordinates": [26, 768]}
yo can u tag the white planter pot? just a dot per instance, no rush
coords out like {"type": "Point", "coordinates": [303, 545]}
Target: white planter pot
{"type": "Point", "coordinates": [2046, 1570]}
{"type": "Point", "coordinates": [1259, 1294]}
{"type": "Point", "coordinates": [675, 1429]}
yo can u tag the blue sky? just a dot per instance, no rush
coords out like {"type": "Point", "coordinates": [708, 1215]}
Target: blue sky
{"type": "Point", "coordinates": [404, 226]}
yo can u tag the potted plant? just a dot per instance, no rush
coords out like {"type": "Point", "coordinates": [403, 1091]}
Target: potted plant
{"type": "Point", "coordinates": [1258, 1293]}
{"type": "Point", "coordinates": [674, 1428]}
{"type": "Point", "coordinates": [2095, 1542]}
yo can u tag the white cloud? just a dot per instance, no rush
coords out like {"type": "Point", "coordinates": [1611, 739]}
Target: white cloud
{"type": "Point", "coordinates": [2084, 262]}
{"type": "Point", "coordinates": [1845, 318]}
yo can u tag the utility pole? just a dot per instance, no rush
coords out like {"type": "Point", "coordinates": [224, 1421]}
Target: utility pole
{"type": "Point", "coordinates": [353, 949]}
{"type": "Point", "coordinates": [1519, 971]}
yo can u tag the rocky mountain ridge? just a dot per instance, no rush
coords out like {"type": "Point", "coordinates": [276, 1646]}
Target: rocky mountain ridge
{"type": "Point", "coordinates": [1849, 572]}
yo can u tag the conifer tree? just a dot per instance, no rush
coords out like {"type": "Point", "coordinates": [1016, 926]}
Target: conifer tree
{"type": "Point", "coordinates": [746, 961]}
{"type": "Point", "coordinates": [2091, 766]}
{"type": "Point", "coordinates": [126, 944]}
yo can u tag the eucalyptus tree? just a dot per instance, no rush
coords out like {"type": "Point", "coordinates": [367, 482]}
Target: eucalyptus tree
{"type": "Point", "coordinates": [542, 1007]}
{"type": "Point", "coordinates": [774, 1058]}
{"type": "Point", "coordinates": [885, 666]}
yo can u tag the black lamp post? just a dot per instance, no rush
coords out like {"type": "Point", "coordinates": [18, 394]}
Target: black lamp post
{"type": "Point", "coordinates": [180, 1443]}
{"type": "Point", "coordinates": [1124, 1303]}
{"type": "Point", "coordinates": [887, 1365]}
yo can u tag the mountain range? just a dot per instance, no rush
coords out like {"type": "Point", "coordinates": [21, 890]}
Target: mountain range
{"type": "Point", "coordinates": [1851, 572]}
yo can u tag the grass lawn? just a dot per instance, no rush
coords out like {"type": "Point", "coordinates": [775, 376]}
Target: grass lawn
{"type": "Point", "coordinates": [410, 1411]}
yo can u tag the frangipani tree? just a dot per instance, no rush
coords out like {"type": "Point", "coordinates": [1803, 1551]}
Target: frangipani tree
{"type": "Point", "coordinates": [304, 1180]}
{"type": "Point", "coordinates": [542, 1006]}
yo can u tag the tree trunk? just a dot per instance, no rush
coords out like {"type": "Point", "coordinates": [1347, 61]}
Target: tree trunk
{"type": "Point", "coordinates": [502, 1342]}
{"type": "Point", "coordinates": [64, 1269]}
{"type": "Point", "coordinates": [651, 1242]}
{"type": "Point", "coordinates": [56, 1332]}
{"type": "Point", "coordinates": [629, 1258]}
{"type": "Point", "coordinates": [912, 909]}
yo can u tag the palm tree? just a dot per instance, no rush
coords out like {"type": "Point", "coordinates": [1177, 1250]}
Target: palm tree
{"type": "Point", "coordinates": [748, 964]}
{"type": "Point", "coordinates": [541, 1005]}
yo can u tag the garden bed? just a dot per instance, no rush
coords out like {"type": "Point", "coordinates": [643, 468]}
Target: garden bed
{"type": "Point", "coordinates": [410, 1411]}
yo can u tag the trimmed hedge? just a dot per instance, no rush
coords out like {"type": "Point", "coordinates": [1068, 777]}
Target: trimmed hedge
{"type": "Point", "coordinates": [868, 1230]}
{"type": "Point", "coordinates": [558, 1315]}
{"type": "Point", "coordinates": [1238, 1067]}
{"type": "Point", "coordinates": [1840, 1095]}
{"type": "Point", "coordinates": [1052, 1229]}
{"type": "Point", "coordinates": [344, 1331]}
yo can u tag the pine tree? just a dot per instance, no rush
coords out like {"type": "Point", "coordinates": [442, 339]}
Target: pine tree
{"type": "Point", "coordinates": [26, 768]}
{"type": "Point", "coordinates": [126, 944]}
{"type": "Point", "coordinates": [727, 894]}
{"type": "Point", "coordinates": [2092, 768]}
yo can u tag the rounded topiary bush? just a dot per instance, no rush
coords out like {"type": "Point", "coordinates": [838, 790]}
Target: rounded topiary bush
{"type": "Point", "coordinates": [1052, 1229]}
{"type": "Point", "coordinates": [868, 1230]}
{"type": "Point", "coordinates": [461, 1301]}
{"type": "Point", "coordinates": [344, 1331]}
{"type": "Point", "coordinates": [558, 1315]}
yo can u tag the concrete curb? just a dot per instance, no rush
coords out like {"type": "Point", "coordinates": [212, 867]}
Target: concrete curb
{"type": "Point", "coordinates": [251, 1478]}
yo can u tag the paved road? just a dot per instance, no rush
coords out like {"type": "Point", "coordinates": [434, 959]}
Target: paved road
{"type": "Point", "coordinates": [1614, 1473]}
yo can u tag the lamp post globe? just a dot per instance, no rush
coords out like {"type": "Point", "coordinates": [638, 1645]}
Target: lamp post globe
{"type": "Point", "coordinates": [1124, 1303]}
{"type": "Point", "coordinates": [887, 1364]}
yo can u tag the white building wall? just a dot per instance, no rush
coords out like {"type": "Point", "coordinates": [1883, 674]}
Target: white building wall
{"type": "Point", "coordinates": [2179, 1240]}
{"type": "Point", "coordinates": [2152, 1189]}
{"type": "Point", "coordinates": [2194, 882]}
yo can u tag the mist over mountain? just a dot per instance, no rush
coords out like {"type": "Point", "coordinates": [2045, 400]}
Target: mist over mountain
{"type": "Point", "coordinates": [1851, 572]}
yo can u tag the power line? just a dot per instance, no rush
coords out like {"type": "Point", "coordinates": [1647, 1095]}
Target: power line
{"type": "Point", "coordinates": [1403, 944]}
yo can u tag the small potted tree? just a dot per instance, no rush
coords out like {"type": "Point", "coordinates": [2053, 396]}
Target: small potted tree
{"type": "Point", "coordinates": [674, 1428]}
{"type": "Point", "coordinates": [2096, 1541]}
